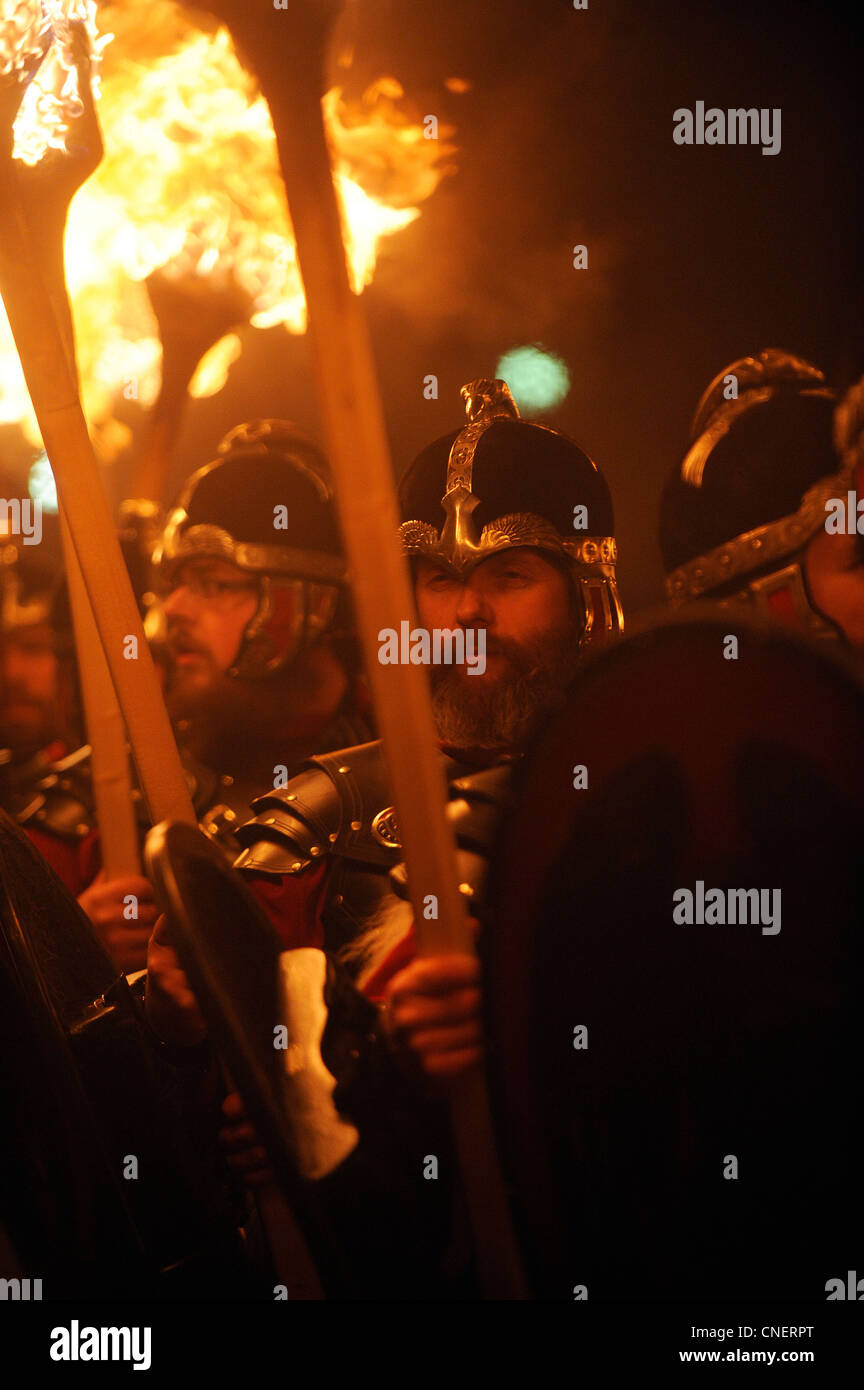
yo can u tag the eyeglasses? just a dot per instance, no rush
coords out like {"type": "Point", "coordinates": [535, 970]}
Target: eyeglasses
{"type": "Point", "coordinates": [206, 586]}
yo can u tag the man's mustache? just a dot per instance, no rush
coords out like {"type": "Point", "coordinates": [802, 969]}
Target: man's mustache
{"type": "Point", "coordinates": [515, 652]}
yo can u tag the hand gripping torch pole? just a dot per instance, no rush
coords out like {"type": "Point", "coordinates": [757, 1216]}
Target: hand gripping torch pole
{"type": "Point", "coordinates": [287, 50]}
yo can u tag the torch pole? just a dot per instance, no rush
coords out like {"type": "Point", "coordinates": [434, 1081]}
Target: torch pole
{"type": "Point", "coordinates": [49, 372]}
{"type": "Point", "coordinates": [288, 52]}
{"type": "Point", "coordinates": [108, 627]}
{"type": "Point", "coordinates": [106, 734]}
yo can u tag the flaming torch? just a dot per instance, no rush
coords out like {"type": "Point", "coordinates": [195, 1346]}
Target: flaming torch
{"type": "Point", "coordinates": [287, 48]}
{"type": "Point", "coordinates": [182, 237]}
{"type": "Point", "coordinates": [34, 195]}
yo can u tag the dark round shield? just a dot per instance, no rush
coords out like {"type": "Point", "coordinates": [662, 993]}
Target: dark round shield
{"type": "Point", "coordinates": [230, 953]}
{"type": "Point", "coordinates": [673, 964]}
{"type": "Point", "coordinates": [99, 1193]}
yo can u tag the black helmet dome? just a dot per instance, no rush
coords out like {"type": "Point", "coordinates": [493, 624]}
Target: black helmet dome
{"type": "Point", "coordinates": [502, 482]}
{"type": "Point", "coordinates": [264, 504]}
{"type": "Point", "coordinates": [738, 512]}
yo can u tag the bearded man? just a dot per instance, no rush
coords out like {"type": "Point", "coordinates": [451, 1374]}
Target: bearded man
{"type": "Point", "coordinates": [252, 630]}
{"type": "Point", "coordinates": [253, 619]}
{"type": "Point", "coordinates": [525, 559]}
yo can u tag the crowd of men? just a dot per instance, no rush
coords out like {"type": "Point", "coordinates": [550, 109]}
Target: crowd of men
{"type": "Point", "coordinates": [509, 529]}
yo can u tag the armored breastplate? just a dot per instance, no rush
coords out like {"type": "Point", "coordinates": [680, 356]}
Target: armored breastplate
{"type": "Point", "coordinates": [222, 802]}
{"type": "Point", "coordinates": [339, 807]}
{"type": "Point", "coordinates": [57, 798]}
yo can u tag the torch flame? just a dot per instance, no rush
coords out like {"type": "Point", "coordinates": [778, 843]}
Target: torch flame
{"type": "Point", "coordinates": [190, 185]}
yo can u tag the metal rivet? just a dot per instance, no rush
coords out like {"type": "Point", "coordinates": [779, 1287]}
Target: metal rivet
{"type": "Point", "coordinates": [226, 780]}
{"type": "Point", "coordinates": [338, 900]}
{"type": "Point", "coordinates": [82, 827]}
{"type": "Point", "coordinates": [356, 824]}
{"type": "Point", "coordinates": [296, 864]}
{"type": "Point", "coordinates": [316, 849]}
{"type": "Point", "coordinates": [334, 837]}
{"type": "Point", "coordinates": [466, 889]}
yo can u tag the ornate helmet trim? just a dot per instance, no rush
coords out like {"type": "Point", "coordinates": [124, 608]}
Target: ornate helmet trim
{"type": "Point", "coordinates": [758, 379]}
{"type": "Point", "coordinates": [212, 542]}
{"type": "Point", "coordinates": [298, 587]}
{"type": "Point", "coordinates": [458, 545]}
{"type": "Point", "coordinates": [755, 549]}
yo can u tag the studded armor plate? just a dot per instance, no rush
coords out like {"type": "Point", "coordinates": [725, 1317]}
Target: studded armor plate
{"type": "Point", "coordinates": [339, 806]}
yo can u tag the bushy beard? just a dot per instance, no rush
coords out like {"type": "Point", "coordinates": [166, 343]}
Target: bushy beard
{"type": "Point", "coordinates": [228, 719]}
{"type": "Point", "coordinates": [471, 712]}
{"type": "Point", "coordinates": [230, 722]}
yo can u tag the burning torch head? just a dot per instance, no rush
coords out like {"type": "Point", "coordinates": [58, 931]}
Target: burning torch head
{"type": "Point", "coordinates": [738, 514]}
{"type": "Point", "coordinates": [507, 482]}
{"type": "Point", "coordinates": [265, 506]}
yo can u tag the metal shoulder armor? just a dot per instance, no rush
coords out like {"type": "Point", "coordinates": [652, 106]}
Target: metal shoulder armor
{"type": "Point", "coordinates": [338, 803]}
{"type": "Point", "coordinates": [62, 798]}
{"type": "Point", "coordinates": [477, 801]}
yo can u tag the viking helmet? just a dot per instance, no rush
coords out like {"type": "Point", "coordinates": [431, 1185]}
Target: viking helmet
{"type": "Point", "coordinates": [738, 512]}
{"type": "Point", "coordinates": [509, 482]}
{"type": "Point", "coordinates": [264, 504]}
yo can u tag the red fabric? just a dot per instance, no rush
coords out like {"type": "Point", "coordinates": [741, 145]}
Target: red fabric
{"type": "Point", "coordinates": [75, 862]}
{"type": "Point", "coordinates": [294, 904]}
{"type": "Point", "coordinates": [782, 606]}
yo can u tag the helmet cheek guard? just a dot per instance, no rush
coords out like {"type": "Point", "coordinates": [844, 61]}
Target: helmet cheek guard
{"type": "Point", "coordinates": [597, 589]}
{"type": "Point", "coordinates": [265, 506]}
{"type": "Point", "coordinates": [292, 614]}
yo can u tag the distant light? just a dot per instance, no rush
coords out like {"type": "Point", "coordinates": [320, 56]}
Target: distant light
{"type": "Point", "coordinates": [459, 85]}
{"type": "Point", "coordinates": [538, 379]}
{"type": "Point", "coordinates": [40, 484]}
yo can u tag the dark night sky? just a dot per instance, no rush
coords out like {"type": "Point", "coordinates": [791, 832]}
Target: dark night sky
{"type": "Point", "coordinates": [696, 255]}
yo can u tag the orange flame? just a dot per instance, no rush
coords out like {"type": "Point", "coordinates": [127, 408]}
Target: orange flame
{"type": "Point", "coordinates": [190, 185]}
{"type": "Point", "coordinates": [36, 48]}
